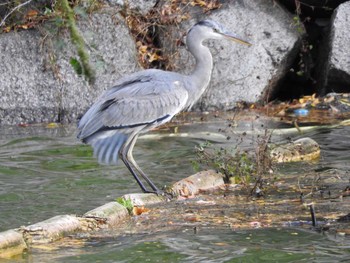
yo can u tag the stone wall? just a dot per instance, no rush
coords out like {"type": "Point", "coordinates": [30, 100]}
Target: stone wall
{"type": "Point", "coordinates": [38, 84]}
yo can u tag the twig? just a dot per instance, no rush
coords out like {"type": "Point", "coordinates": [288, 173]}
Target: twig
{"type": "Point", "coordinates": [313, 216]}
{"type": "Point", "coordinates": [13, 10]}
{"type": "Point", "coordinates": [4, 3]}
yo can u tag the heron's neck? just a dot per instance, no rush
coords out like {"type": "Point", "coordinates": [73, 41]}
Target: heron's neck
{"type": "Point", "coordinates": [201, 75]}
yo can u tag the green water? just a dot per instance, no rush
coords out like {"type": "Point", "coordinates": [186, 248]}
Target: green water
{"type": "Point", "coordinates": [52, 173]}
{"type": "Point", "coordinates": [207, 245]}
{"type": "Point", "coordinates": [45, 172]}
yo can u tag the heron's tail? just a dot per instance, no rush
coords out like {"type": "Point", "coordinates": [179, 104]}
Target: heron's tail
{"type": "Point", "coordinates": [106, 149]}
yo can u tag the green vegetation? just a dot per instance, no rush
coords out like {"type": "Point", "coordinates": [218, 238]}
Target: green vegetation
{"type": "Point", "coordinates": [238, 166]}
{"type": "Point", "coordinates": [51, 18]}
{"type": "Point", "coordinates": [127, 203]}
{"type": "Point", "coordinates": [81, 66]}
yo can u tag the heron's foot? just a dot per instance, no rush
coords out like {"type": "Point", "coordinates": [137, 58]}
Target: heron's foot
{"type": "Point", "coordinates": [166, 194]}
{"type": "Point", "coordinates": [156, 192]}
{"type": "Point", "coordinates": [169, 193]}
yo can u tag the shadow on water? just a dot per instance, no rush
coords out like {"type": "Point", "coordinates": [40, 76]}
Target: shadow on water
{"type": "Point", "coordinates": [45, 172]}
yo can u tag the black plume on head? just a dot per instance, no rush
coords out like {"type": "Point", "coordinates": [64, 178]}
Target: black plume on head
{"type": "Point", "coordinates": [211, 24]}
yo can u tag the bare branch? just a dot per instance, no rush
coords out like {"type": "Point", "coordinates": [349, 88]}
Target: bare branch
{"type": "Point", "coordinates": [5, 3]}
{"type": "Point", "coordinates": [13, 10]}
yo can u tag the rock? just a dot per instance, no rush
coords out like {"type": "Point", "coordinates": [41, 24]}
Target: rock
{"type": "Point", "coordinates": [38, 84]}
{"type": "Point", "coordinates": [114, 55]}
{"type": "Point", "coordinates": [142, 6]}
{"type": "Point", "coordinates": [35, 88]}
{"type": "Point", "coordinates": [241, 72]}
{"type": "Point", "coordinates": [338, 65]}
{"type": "Point", "coordinates": [6, 7]}
{"type": "Point", "coordinates": [313, 8]}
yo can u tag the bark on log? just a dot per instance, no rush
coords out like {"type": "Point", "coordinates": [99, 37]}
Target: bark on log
{"type": "Point", "coordinates": [193, 184]}
{"type": "Point", "coordinates": [52, 229]}
{"type": "Point", "coordinates": [11, 243]}
{"type": "Point", "coordinates": [111, 213]}
{"type": "Point", "coordinates": [304, 149]}
{"type": "Point", "coordinates": [143, 199]}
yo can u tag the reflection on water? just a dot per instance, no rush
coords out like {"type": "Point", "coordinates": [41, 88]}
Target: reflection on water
{"type": "Point", "coordinates": [46, 172]}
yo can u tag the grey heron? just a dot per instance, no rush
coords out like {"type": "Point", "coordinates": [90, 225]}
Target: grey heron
{"type": "Point", "coordinates": [144, 100]}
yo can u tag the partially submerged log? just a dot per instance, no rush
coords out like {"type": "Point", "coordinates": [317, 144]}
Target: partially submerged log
{"type": "Point", "coordinates": [111, 214]}
{"type": "Point", "coordinates": [52, 229]}
{"type": "Point", "coordinates": [193, 184]}
{"type": "Point", "coordinates": [143, 199]}
{"type": "Point", "coordinates": [304, 149]}
{"type": "Point", "coordinates": [11, 243]}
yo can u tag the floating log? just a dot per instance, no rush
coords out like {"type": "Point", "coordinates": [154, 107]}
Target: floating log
{"type": "Point", "coordinates": [14, 242]}
{"type": "Point", "coordinates": [144, 199]}
{"type": "Point", "coordinates": [11, 243]}
{"type": "Point", "coordinates": [111, 214]}
{"type": "Point", "coordinates": [52, 229]}
{"type": "Point", "coordinates": [304, 149]}
{"type": "Point", "coordinates": [193, 184]}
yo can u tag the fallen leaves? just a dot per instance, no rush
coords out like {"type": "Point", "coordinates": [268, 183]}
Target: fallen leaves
{"type": "Point", "coordinates": [207, 5]}
{"type": "Point", "coordinates": [145, 29]}
{"type": "Point", "coordinates": [31, 14]}
{"type": "Point", "coordinates": [30, 20]}
{"type": "Point", "coordinates": [139, 210]}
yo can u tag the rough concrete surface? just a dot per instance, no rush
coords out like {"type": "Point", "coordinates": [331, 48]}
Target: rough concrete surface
{"type": "Point", "coordinates": [338, 70]}
{"type": "Point", "coordinates": [143, 6]}
{"type": "Point", "coordinates": [31, 92]}
{"type": "Point", "coordinates": [36, 86]}
{"type": "Point", "coordinates": [241, 72]}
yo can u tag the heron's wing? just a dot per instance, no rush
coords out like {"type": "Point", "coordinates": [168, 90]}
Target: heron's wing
{"type": "Point", "coordinates": [145, 99]}
{"type": "Point", "coordinates": [146, 105]}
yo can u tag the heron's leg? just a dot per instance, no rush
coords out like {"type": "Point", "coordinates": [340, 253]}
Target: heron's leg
{"type": "Point", "coordinates": [130, 158]}
{"type": "Point", "coordinates": [134, 174]}
{"type": "Point", "coordinates": [123, 156]}
{"type": "Point", "coordinates": [125, 153]}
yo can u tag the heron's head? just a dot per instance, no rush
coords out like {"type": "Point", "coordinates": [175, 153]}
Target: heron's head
{"type": "Point", "coordinates": [209, 29]}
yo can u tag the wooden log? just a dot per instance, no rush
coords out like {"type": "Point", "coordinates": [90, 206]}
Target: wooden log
{"type": "Point", "coordinates": [11, 243]}
{"type": "Point", "coordinates": [304, 149]}
{"type": "Point", "coordinates": [52, 229]}
{"type": "Point", "coordinates": [193, 184]}
{"type": "Point", "coordinates": [143, 199]}
{"type": "Point", "coordinates": [111, 213]}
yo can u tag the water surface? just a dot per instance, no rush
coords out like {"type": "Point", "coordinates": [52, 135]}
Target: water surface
{"type": "Point", "coordinates": [46, 171]}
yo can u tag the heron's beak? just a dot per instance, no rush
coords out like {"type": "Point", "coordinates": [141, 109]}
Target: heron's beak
{"type": "Point", "coordinates": [236, 39]}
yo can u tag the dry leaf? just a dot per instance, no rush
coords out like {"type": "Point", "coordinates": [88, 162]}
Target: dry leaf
{"type": "Point", "coordinates": [31, 14]}
{"type": "Point", "coordinates": [139, 210]}
{"type": "Point", "coordinates": [153, 57]}
{"type": "Point", "coordinates": [52, 125]}
{"type": "Point", "coordinates": [7, 29]}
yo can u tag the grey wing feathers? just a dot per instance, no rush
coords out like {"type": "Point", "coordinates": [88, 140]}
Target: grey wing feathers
{"type": "Point", "coordinates": [106, 150]}
{"type": "Point", "coordinates": [141, 98]}
{"type": "Point", "coordinates": [130, 111]}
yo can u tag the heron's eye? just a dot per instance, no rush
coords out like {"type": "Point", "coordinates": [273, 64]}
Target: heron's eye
{"type": "Point", "coordinates": [216, 30]}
